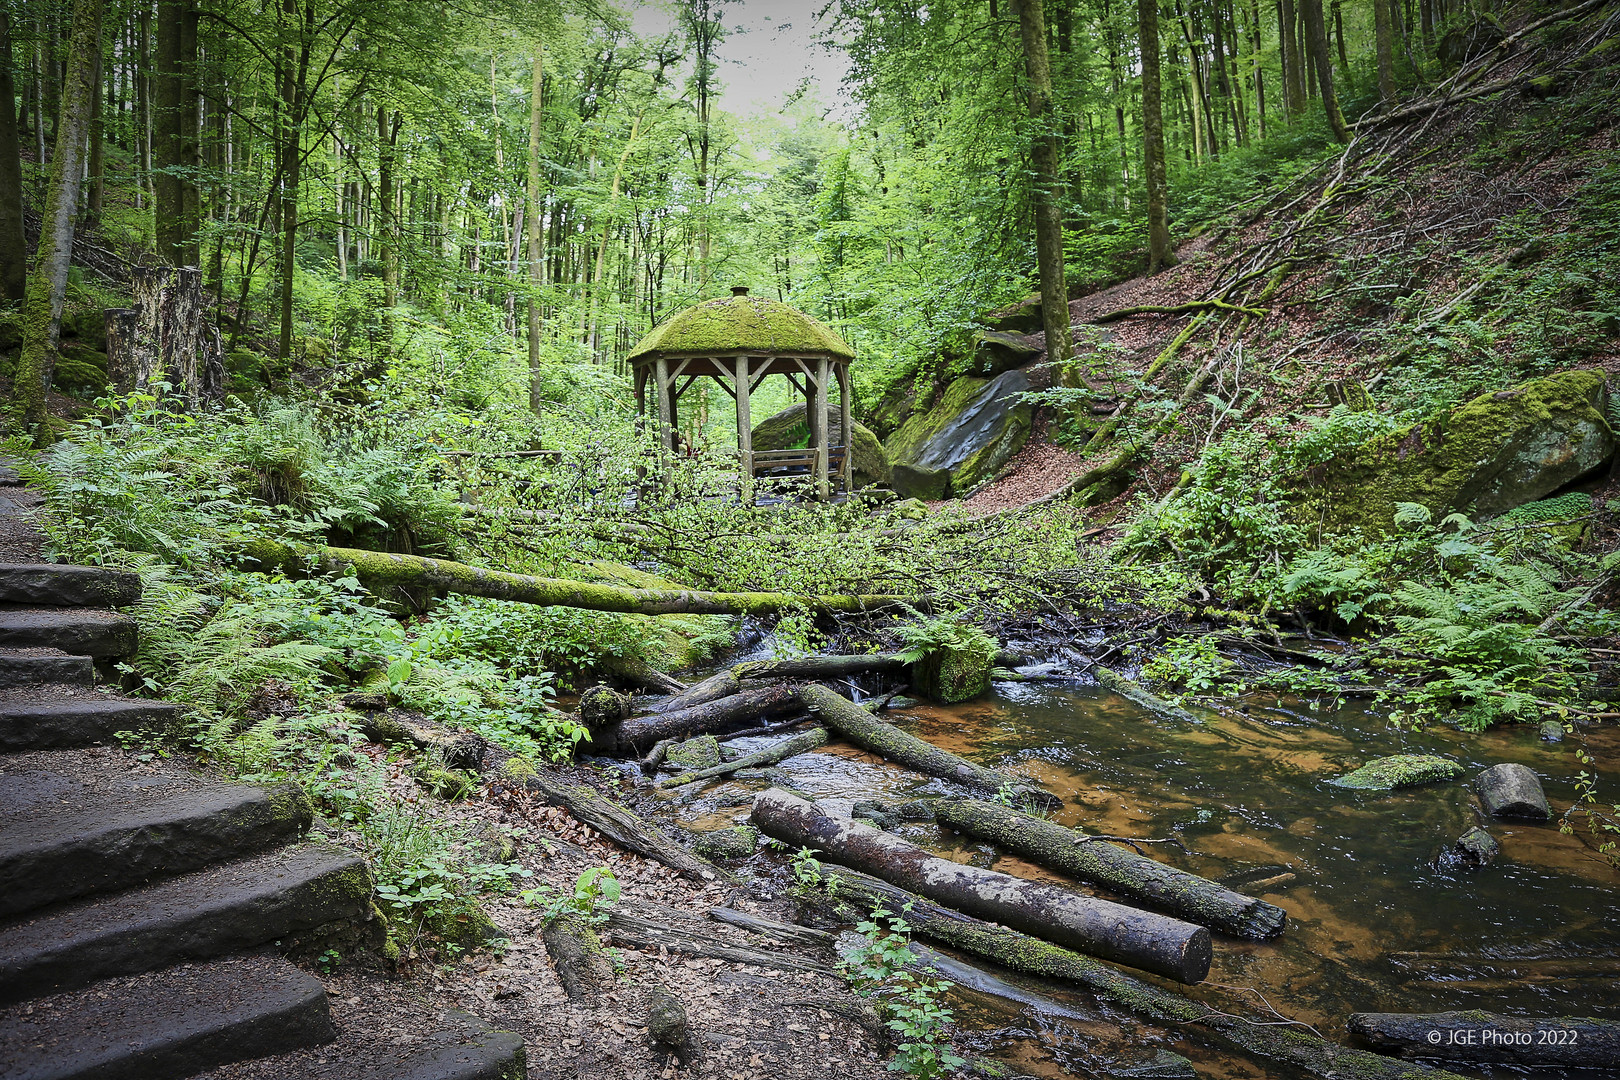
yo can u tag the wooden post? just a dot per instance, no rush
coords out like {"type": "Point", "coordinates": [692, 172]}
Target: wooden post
{"type": "Point", "coordinates": [846, 428]}
{"type": "Point", "coordinates": [666, 404]}
{"type": "Point", "coordinates": [745, 430]}
{"type": "Point", "coordinates": [822, 442]}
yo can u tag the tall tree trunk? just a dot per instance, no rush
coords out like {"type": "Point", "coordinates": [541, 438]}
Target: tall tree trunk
{"type": "Point", "coordinates": [294, 72]}
{"type": "Point", "coordinates": [188, 129]}
{"type": "Point", "coordinates": [93, 168]}
{"type": "Point", "coordinates": [1044, 156]}
{"type": "Point", "coordinates": [1383, 33]}
{"type": "Point", "coordinates": [13, 253]}
{"type": "Point", "coordinates": [1316, 39]}
{"type": "Point", "coordinates": [1255, 47]}
{"type": "Point", "coordinates": [167, 121]}
{"type": "Point", "coordinates": [42, 307]}
{"type": "Point", "coordinates": [1292, 60]}
{"type": "Point", "coordinates": [1338, 37]}
{"type": "Point", "coordinates": [1159, 253]}
{"type": "Point", "coordinates": [535, 223]}
{"type": "Point", "coordinates": [387, 225]}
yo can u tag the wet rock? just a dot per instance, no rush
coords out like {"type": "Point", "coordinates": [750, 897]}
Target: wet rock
{"type": "Point", "coordinates": [998, 351]}
{"type": "Point", "coordinates": [702, 752]}
{"type": "Point", "coordinates": [737, 842]}
{"type": "Point", "coordinates": [1475, 848]}
{"type": "Point", "coordinates": [1552, 731]}
{"type": "Point", "coordinates": [876, 813]}
{"type": "Point", "coordinates": [1399, 770]}
{"type": "Point", "coordinates": [965, 439]}
{"type": "Point", "coordinates": [1511, 790]}
{"type": "Point", "coordinates": [1499, 451]}
{"type": "Point", "coordinates": [1152, 1065]}
{"type": "Point", "coordinates": [915, 810]}
{"type": "Point", "coordinates": [789, 429]}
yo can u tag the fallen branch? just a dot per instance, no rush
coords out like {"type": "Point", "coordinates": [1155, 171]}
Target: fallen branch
{"type": "Point", "coordinates": [1197, 306]}
{"type": "Point", "coordinates": [624, 828]}
{"type": "Point", "coordinates": [583, 966]}
{"type": "Point", "coordinates": [1164, 888]}
{"type": "Point", "coordinates": [1155, 943]}
{"type": "Point", "coordinates": [798, 744]}
{"type": "Point", "coordinates": [1290, 1044]}
{"type": "Point", "coordinates": [1133, 691]}
{"type": "Point", "coordinates": [860, 727]}
{"type": "Point", "coordinates": [710, 718]}
{"type": "Point", "coordinates": [637, 932]}
{"type": "Point", "coordinates": [392, 577]}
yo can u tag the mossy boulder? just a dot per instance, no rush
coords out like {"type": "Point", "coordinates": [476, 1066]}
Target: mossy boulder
{"type": "Point", "coordinates": [789, 429]}
{"type": "Point", "coordinates": [733, 324]}
{"type": "Point", "coordinates": [702, 752]}
{"type": "Point", "coordinates": [1399, 770]}
{"type": "Point", "coordinates": [79, 367]}
{"type": "Point", "coordinates": [996, 351]}
{"type": "Point", "coordinates": [737, 842]}
{"type": "Point", "coordinates": [1024, 317]}
{"type": "Point", "coordinates": [1472, 39]}
{"type": "Point", "coordinates": [970, 433]}
{"type": "Point", "coordinates": [88, 326]}
{"type": "Point", "coordinates": [1497, 452]}
{"type": "Point", "coordinates": [952, 675]}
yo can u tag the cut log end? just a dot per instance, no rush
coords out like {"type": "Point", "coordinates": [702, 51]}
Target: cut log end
{"type": "Point", "coordinates": [583, 966]}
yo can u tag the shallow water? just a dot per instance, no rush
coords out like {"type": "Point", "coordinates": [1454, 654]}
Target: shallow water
{"type": "Point", "coordinates": [1535, 933]}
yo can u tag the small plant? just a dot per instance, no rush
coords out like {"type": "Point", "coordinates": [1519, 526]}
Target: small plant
{"type": "Point", "coordinates": [594, 890]}
{"type": "Point", "coordinates": [807, 869]}
{"type": "Point", "coordinates": [884, 967]}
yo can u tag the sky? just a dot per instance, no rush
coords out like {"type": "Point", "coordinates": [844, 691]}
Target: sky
{"type": "Point", "coordinates": [768, 52]}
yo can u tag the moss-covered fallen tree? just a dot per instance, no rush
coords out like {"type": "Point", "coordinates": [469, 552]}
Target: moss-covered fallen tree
{"type": "Point", "coordinates": [410, 577]}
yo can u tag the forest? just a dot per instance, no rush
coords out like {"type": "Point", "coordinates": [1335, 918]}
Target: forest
{"type": "Point", "coordinates": [999, 538]}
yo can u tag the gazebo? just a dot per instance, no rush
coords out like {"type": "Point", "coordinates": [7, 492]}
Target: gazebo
{"type": "Point", "coordinates": [738, 340]}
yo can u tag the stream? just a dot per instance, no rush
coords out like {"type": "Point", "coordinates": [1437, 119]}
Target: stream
{"type": "Point", "coordinates": [1537, 932]}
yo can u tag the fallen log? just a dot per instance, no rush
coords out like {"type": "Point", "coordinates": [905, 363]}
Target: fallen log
{"type": "Point", "coordinates": [583, 966]}
{"type": "Point", "coordinates": [802, 935]}
{"type": "Point", "coordinates": [1133, 691]}
{"type": "Point", "coordinates": [818, 667]}
{"type": "Point", "coordinates": [713, 717]}
{"type": "Point", "coordinates": [719, 685]}
{"type": "Point", "coordinates": [624, 828]}
{"type": "Point", "coordinates": [1141, 939]}
{"type": "Point", "coordinates": [1576, 1041]}
{"type": "Point", "coordinates": [860, 727]}
{"type": "Point", "coordinates": [798, 744]}
{"type": "Point", "coordinates": [392, 576]}
{"type": "Point", "coordinates": [637, 932]}
{"type": "Point", "coordinates": [1270, 1039]}
{"type": "Point", "coordinates": [1163, 888]}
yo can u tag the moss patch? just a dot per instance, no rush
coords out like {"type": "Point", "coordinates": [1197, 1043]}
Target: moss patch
{"type": "Point", "coordinates": [1399, 770]}
{"type": "Point", "coordinates": [741, 324]}
{"type": "Point", "coordinates": [964, 439]}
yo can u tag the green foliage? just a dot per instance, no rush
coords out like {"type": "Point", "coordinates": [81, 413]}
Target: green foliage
{"type": "Point", "coordinates": [1337, 433]}
{"type": "Point", "coordinates": [923, 636]}
{"type": "Point", "coordinates": [1194, 664]}
{"type": "Point", "coordinates": [595, 890]}
{"type": "Point", "coordinates": [884, 967]}
{"type": "Point", "coordinates": [1562, 508]}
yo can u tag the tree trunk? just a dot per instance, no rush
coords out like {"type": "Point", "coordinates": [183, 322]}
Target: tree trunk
{"type": "Point", "coordinates": [168, 337]}
{"type": "Point", "coordinates": [1317, 46]}
{"type": "Point", "coordinates": [1292, 62]}
{"type": "Point", "coordinates": [819, 667]}
{"type": "Point", "coordinates": [1573, 1042]}
{"type": "Point", "coordinates": [291, 106]}
{"type": "Point", "coordinates": [533, 223]}
{"type": "Point", "coordinates": [798, 744]}
{"type": "Point", "coordinates": [1154, 943]}
{"type": "Point", "coordinates": [638, 733]}
{"type": "Point", "coordinates": [93, 167]}
{"type": "Point", "coordinates": [47, 287]}
{"type": "Point", "coordinates": [1289, 1045]}
{"type": "Point", "coordinates": [13, 247]}
{"type": "Point", "coordinates": [1160, 253]}
{"type": "Point", "coordinates": [844, 717]}
{"type": "Point", "coordinates": [394, 577]}
{"type": "Point", "coordinates": [1338, 37]}
{"type": "Point", "coordinates": [387, 222]}
{"type": "Point", "coordinates": [1147, 881]}
{"type": "Point", "coordinates": [623, 828]}
{"type": "Point", "coordinates": [1384, 36]}
{"type": "Point", "coordinates": [583, 966]}
{"type": "Point", "coordinates": [167, 160]}
{"type": "Point", "coordinates": [1048, 176]}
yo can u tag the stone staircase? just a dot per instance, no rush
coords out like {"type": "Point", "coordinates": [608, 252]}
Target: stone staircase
{"type": "Point", "coordinates": [144, 910]}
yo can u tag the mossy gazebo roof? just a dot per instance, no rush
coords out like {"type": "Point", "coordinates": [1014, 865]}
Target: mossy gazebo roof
{"type": "Point", "coordinates": [738, 340]}
{"type": "Point", "coordinates": [741, 325]}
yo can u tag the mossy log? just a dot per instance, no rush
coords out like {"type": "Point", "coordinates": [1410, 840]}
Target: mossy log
{"type": "Point", "coordinates": [1134, 692]}
{"type": "Point", "coordinates": [710, 718]}
{"type": "Point", "coordinates": [1137, 877]}
{"type": "Point", "coordinates": [1571, 1041]}
{"type": "Point", "coordinates": [844, 717]}
{"type": "Point", "coordinates": [798, 744]}
{"type": "Point", "coordinates": [459, 749]}
{"type": "Point", "coordinates": [624, 828]}
{"type": "Point", "coordinates": [393, 577]}
{"type": "Point", "coordinates": [583, 966]}
{"type": "Point", "coordinates": [1294, 1046]}
{"type": "Point", "coordinates": [1156, 943]}
{"type": "Point", "coordinates": [721, 684]}
{"type": "Point", "coordinates": [818, 667]}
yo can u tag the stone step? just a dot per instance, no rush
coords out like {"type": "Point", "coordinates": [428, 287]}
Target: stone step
{"type": "Point", "coordinates": [167, 1024]}
{"type": "Point", "coordinates": [203, 914]}
{"type": "Point", "coordinates": [79, 631]}
{"type": "Point", "coordinates": [72, 825]}
{"type": "Point", "coordinates": [39, 718]}
{"type": "Point", "coordinates": [40, 667]}
{"type": "Point", "coordinates": [452, 1046]}
{"type": "Point", "coordinates": [55, 585]}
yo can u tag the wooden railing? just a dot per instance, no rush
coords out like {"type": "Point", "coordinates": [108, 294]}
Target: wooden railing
{"type": "Point", "coordinates": [797, 462]}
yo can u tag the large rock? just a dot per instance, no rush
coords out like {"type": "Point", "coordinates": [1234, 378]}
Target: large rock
{"type": "Point", "coordinates": [1499, 451]}
{"type": "Point", "coordinates": [788, 429]}
{"type": "Point", "coordinates": [997, 351]}
{"type": "Point", "coordinates": [1023, 317]}
{"type": "Point", "coordinates": [971, 432]}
